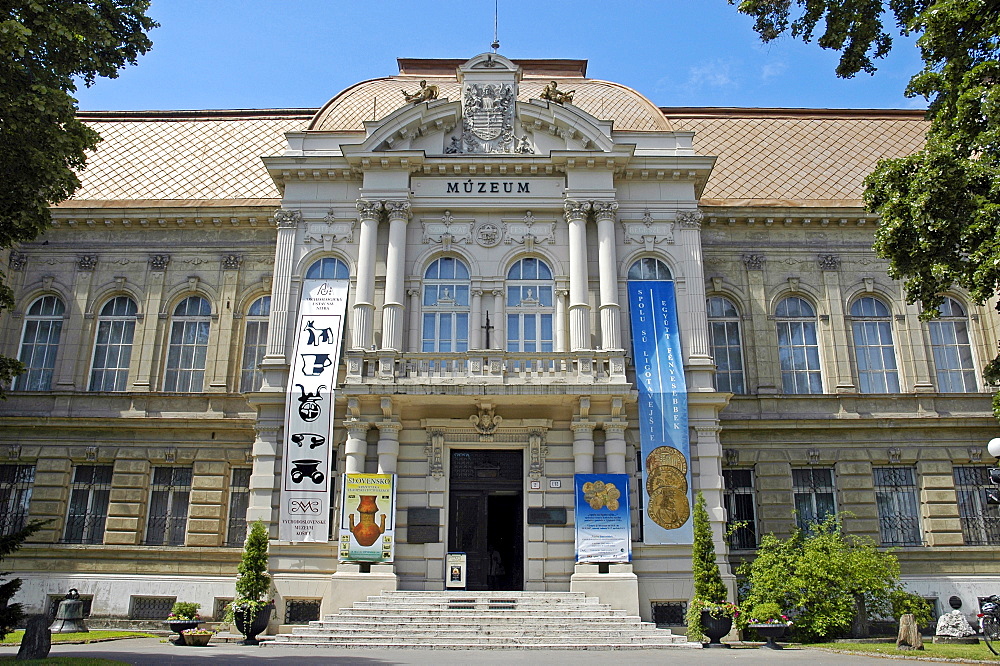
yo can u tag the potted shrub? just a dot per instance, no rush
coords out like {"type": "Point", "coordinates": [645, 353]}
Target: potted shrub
{"type": "Point", "coordinates": [768, 621]}
{"type": "Point", "coordinates": [709, 614]}
{"type": "Point", "coordinates": [183, 616]}
{"type": "Point", "coordinates": [251, 609]}
{"type": "Point", "coordinates": [197, 637]}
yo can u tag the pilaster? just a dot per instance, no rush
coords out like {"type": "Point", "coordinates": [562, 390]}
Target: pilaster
{"type": "Point", "coordinates": [364, 295]}
{"type": "Point", "coordinates": [398, 212]}
{"type": "Point", "coordinates": [281, 285]}
{"type": "Point", "coordinates": [206, 507]}
{"type": "Point", "coordinates": [129, 494]}
{"type": "Point", "coordinates": [611, 327]}
{"type": "Point", "coordinates": [579, 304]}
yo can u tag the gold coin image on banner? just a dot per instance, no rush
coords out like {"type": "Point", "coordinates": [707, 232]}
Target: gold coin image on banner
{"type": "Point", "coordinates": [668, 507]}
{"type": "Point", "coordinates": [665, 477]}
{"type": "Point", "coordinates": [599, 494]}
{"type": "Point", "coordinates": [665, 456]}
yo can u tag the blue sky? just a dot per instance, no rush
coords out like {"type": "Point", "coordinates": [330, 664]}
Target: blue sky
{"type": "Point", "coordinates": [234, 54]}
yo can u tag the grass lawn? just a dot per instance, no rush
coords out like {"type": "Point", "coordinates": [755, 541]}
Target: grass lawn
{"type": "Point", "coordinates": [940, 651]}
{"type": "Point", "coordinates": [14, 637]}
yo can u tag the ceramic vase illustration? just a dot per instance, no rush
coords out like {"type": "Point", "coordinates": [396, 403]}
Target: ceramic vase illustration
{"type": "Point", "coordinates": [366, 531]}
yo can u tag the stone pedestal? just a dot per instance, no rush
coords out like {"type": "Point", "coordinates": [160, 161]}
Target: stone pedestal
{"type": "Point", "coordinates": [619, 587]}
{"type": "Point", "coordinates": [349, 583]}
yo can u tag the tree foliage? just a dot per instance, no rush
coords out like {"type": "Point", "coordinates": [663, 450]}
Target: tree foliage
{"type": "Point", "coordinates": [48, 47]}
{"type": "Point", "coordinates": [709, 590]}
{"type": "Point", "coordinates": [820, 576]}
{"type": "Point", "coordinates": [253, 582]}
{"type": "Point", "coordinates": [11, 614]}
{"type": "Point", "coordinates": [940, 207]}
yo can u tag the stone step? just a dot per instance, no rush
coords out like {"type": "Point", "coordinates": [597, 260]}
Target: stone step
{"type": "Point", "coordinates": [477, 641]}
{"type": "Point", "coordinates": [374, 624]}
{"type": "Point", "coordinates": [464, 612]}
{"type": "Point", "coordinates": [436, 606]}
{"type": "Point", "coordinates": [399, 645]}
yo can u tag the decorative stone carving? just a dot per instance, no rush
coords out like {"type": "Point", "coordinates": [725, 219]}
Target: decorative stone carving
{"type": "Point", "coordinates": [975, 454]}
{"type": "Point", "coordinates": [553, 94]}
{"type": "Point", "coordinates": [435, 453]}
{"type": "Point", "coordinates": [397, 209]}
{"type": "Point", "coordinates": [13, 451]}
{"type": "Point", "coordinates": [368, 210]}
{"type": "Point", "coordinates": [338, 230]}
{"type": "Point", "coordinates": [895, 454]}
{"type": "Point", "coordinates": [488, 118]}
{"type": "Point", "coordinates": [647, 232]}
{"type": "Point", "coordinates": [529, 232]}
{"type": "Point", "coordinates": [690, 219]}
{"type": "Point", "coordinates": [486, 421]}
{"type": "Point", "coordinates": [286, 219]}
{"type": "Point", "coordinates": [91, 454]}
{"type": "Point", "coordinates": [447, 231]}
{"type": "Point", "coordinates": [732, 456]}
{"type": "Point", "coordinates": [17, 260]}
{"type": "Point", "coordinates": [524, 146]}
{"type": "Point", "coordinates": [954, 624]}
{"type": "Point", "coordinates": [753, 262]}
{"type": "Point", "coordinates": [813, 456]}
{"type": "Point", "coordinates": [424, 94]}
{"type": "Point", "coordinates": [576, 211]}
{"type": "Point", "coordinates": [87, 262]}
{"type": "Point", "coordinates": [454, 147]}
{"type": "Point", "coordinates": [829, 262]}
{"type": "Point", "coordinates": [158, 262]}
{"type": "Point", "coordinates": [537, 451]}
{"type": "Point", "coordinates": [488, 234]}
{"type": "Point", "coordinates": [605, 210]}
{"type": "Point", "coordinates": [231, 262]}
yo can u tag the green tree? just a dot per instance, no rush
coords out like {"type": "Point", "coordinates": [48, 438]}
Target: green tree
{"type": "Point", "coordinates": [11, 614]}
{"type": "Point", "coordinates": [48, 48]}
{"type": "Point", "coordinates": [823, 577]}
{"type": "Point", "coordinates": [939, 208]}
{"type": "Point", "coordinates": [709, 591]}
{"type": "Point", "coordinates": [253, 582]}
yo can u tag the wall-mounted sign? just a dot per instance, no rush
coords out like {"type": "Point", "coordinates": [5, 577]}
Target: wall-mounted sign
{"type": "Point", "coordinates": [491, 186]}
{"type": "Point", "coordinates": [543, 516]}
{"type": "Point", "coordinates": [455, 570]}
{"type": "Point", "coordinates": [603, 521]}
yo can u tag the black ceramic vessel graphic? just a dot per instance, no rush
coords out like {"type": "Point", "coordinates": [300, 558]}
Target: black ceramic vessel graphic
{"type": "Point", "coordinates": [307, 468]}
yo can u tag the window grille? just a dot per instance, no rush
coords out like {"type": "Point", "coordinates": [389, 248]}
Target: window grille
{"type": "Point", "coordinates": [798, 349]}
{"type": "Point", "coordinates": [898, 510]}
{"type": "Point", "coordinates": [113, 345]}
{"type": "Point", "coordinates": [814, 495]}
{"type": "Point", "coordinates": [15, 495]}
{"type": "Point", "coordinates": [724, 337]}
{"type": "Point", "coordinates": [221, 605]}
{"type": "Point", "coordinates": [168, 506]}
{"type": "Point", "coordinates": [874, 352]}
{"type": "Point", "coordinates": [254, 344]}
{"type": "Point", "coordinates": [669, 613]}
{"type": "Point", "coordinates": [301, 611]}
{"type": "Point", "coordinates": [39, 344]}
{"type": "Point", "coordinates": [239, 500]}
{"type": "Point", "coordinates": [88, 504]}
{"type": "Point", "coordinates": [980, 521]}
{"type": "Point", "coordinates": [739, 499]}
{"type": "Point", "coordinates": [150, 608]}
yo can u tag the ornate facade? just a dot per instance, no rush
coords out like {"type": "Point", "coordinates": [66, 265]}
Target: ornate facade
{"type": "Point", "coordinates": [488, 224]}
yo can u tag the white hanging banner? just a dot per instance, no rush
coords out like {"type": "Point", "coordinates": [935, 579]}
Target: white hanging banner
{"type": "Point", "coordinates": [306, 483]}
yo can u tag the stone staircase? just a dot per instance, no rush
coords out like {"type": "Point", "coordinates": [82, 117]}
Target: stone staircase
{"type": "Point", "coordinates": [483, 620]}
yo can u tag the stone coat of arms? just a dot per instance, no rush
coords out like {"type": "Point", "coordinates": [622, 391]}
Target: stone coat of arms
{"type": "Point", "coordinates": [488, 118]}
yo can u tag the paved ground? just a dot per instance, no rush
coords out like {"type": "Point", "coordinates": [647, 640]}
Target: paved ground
{"type": "Point", "coordinates": [153, 651]}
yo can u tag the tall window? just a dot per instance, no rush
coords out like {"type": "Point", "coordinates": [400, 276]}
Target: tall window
{"type": "Point", "coordinates": [15, 496]}
{"type": "Point", "coordinates": [239, 500]}
{"type": "Point", "coordinates": [88, 504]}
{"type": "Point", "coordinates": [813, 491]}
{"type": "Point", "coordinates": [952, 349]}
{"type": "Point", "coordinates": [113, 345]}
{"type": "Point", "coordinates": [188, 349]}
{"type": "Point", "coordinates": [739, 499]}
{"type": "Point", "coordinates": [39, 344]}
{"type": "Point", "coordinates": [446, 306]}
{"type": "Point", "coordinates": [980, 521]}
{"type": "Point", "coordinates": [648, 268]}
{"type": "Point", "coordinates": [724, 336]}
{"type": "Point", "coordinates": [798, 350]}
{"type": "Point", "coordinates": [255, 344]}
{"type": "Point", "coordinates": [168, 506]}
{"type": "Point", "coordinates": [328, 268]}
{"type": "Point", "coordinates": [896, 499]}
{"type": "Point", "coordinates": [529, 306]}
{"type": "Point", "coordinates": [873, 348]}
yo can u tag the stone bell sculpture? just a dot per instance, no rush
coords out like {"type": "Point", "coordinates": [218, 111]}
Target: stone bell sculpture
{"type": "Point", "coordinates": [69, 615]}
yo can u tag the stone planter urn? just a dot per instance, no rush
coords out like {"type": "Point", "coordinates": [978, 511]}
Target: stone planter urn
{"type": "Point", "coordinates": [252, 623]}
{"type": "Point", "coordinates": [715, 628]}
{"type": "Point", "coordinates": [770, 632]}
{"type": "Point", "coordinates": [197, 640]}
{"type": "Point", "coordinates": [177, 626]}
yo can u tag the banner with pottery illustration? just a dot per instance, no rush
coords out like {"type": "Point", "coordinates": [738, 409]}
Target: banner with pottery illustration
{"type": "Point", "coordinates": [307, 452]}
{"type": "Point", "coordinates": [663, 413]}
{"type": "Point", "coordinates": [368, 518]}
{"type": "Point", "coordinates": [603, 521]}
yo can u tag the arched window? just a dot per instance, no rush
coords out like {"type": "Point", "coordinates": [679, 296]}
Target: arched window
{"type": "Point", "coordinates": [254, 344]}
{"type": "Point", "coordinates": [529, 306]}
{"type": "Point", "coordinates": [446, 306]}
{"type": "Point", "coordinates": [39, 344]}
{"type": "Point", "coordinates": [952, 350]}
{"type": "Point", "coordinates": [188, 350]}
{"type": "Point", "coordinates": [724, 336]}
{"type": "Point", "coordinates": [649, 268]}
{"type": "Point", "coordinates": [798, 350]}
{"type": "Point", "coordinates": [328, 268]}
{"type": "Point", "coordinates": [113, 345]}
{"type": "Point", "coordinates": [873, 349]}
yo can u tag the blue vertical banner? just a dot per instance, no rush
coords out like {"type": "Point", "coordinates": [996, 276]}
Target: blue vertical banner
{"type": "Point", "coordinates": [663, 413]}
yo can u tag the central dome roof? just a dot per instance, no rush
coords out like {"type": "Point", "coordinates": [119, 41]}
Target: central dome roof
{"type": "Point", "coordinates": [377, 98]}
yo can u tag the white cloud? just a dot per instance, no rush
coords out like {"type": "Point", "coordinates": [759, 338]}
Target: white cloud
{"type": "Point", "coordinates": [772, 70]}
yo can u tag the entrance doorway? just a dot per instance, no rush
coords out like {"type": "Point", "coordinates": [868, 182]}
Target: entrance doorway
{"type": "Point", "coordinates": [485, 518]}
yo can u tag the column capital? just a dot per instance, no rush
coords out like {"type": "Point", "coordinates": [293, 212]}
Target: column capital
{"type": "Point", "coordinates": [576, 211]}
{"type": "Point", "coordinates": [397, 209]}
{"type": "Point", "coordinates": [616, 427]}
{"type": "Point", "coordinates": [357, 429]}
{"type": "Point", "coordinates": [388, 427]}
{"type": "Point", "coordinates": [605, 210]}
{"type": "Point", "coordinates": [368, 210]}
{"type": "Point", "coordinates": [287, 219]}
{"type": "Point", "coordinates": [581, 427]}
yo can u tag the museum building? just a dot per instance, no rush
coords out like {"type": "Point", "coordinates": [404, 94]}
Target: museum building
{"type": "Point", "coordinates": [491, 222]}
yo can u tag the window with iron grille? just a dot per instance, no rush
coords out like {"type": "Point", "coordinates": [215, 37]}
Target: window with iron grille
{"type": "Point", "coordinates": [88, 504]}
{"type": "Point", "coordinates": [168, 506]}
{"type": "Point", "coordinates": [898, 509]}
{"type": "Point", "coordinates": [669, 613]}
{"type": "Point", "coordinates": [739, 500]}
{"type": "Point", "coordinates": [220, 607]}
{"type": "Point", "coordinates": [301, 611]}
{"type": "Point", "coordinates": [150, 608]}
{"type": "Point", "coordinates": [239, 500]}
{"type": "Point", "coordinates": [15, 495]}
{"type": "Point", "coordinates": [814, 495]}
{"type": "Point", "coordinates": [980, 521]}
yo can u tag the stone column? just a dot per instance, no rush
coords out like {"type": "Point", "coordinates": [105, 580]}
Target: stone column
{"type": "Point", "coordinates": [356, 446]}
{"type": "Point", "coordinates": [281, 284]}
{"type": "Point", "coordinates": [388, 445]}
{"type": "Point", "coordinates": [583, 446]}
{"type": "Point", "coordinates": [364, 296]}
{"type": "Point", "coordinates": [579, 306]}
{"type": "Point", "coordinates": [611, 319]}
{"type": "Point", "coordinates": [398, 212]}
{"type": "Point", "coordinates": [475, 319]}
{"type": "Point", "coordinates": [415, 338]}
{"type": "Point", "coordinates": [560, 340]}
{"type": "Point", "coordinates": [499, 320]}
{"type": "Point", "coordinates": [614, 445]}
